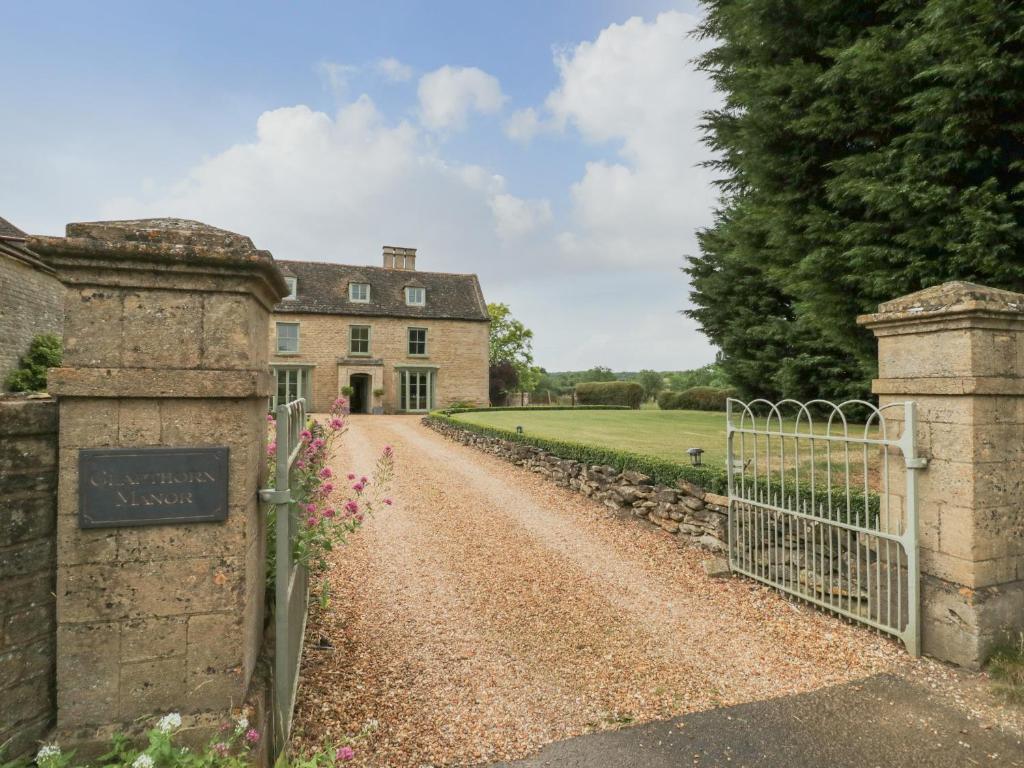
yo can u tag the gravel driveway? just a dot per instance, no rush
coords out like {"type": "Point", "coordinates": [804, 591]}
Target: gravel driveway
{"type": "Point", "coordinates": [489, 612]}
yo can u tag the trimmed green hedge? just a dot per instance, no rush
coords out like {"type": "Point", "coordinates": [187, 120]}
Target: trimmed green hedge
{"type": "Point", "coordinates": [627, 393]}
{"type": "Point", "coordinates": [661, 471]}
{"type": "Point", "coordinates": [476, 409]}
{"type": "Point", "coordinates": [696, 399]}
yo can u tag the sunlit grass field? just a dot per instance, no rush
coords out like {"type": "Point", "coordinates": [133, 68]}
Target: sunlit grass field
{"type": "Point", "coordinates": [668, 435]}
{"type": "Point", "coordinates": [665, 434]}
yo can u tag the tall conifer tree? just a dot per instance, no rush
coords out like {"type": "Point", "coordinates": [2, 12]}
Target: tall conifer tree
{"type": "Point", "coordinates": [867, 150]}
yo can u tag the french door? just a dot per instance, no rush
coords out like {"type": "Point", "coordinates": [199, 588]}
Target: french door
{"type": "Point", "coordinates": [417, 390]}
{"type": "Point", "coordinates": [292, 383]}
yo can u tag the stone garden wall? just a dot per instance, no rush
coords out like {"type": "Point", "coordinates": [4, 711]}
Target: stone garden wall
{"type": "Point", "coordinates": [28, 510]}
{"type": "Point", "coordinates": [33, 302]}
{"type": "Point", "coordinates": [685, 510]}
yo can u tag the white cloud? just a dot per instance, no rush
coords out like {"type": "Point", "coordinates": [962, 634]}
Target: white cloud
{"type": "Point", "coordinates": [523, 125]}
{"type": "Point", "coordinates": [394, 70]}
{"type": "Point", "coordinates": [595, 275]}
{"type": "Point", "coordinates": [516, 217]}
{"type": "Point", "coordinates": [337, 76]}
{"type": "Point", "coordinates": [635, 85]}
{"type": "Point", "coordinates": [315, 187]}
{"type": "Point", "coordinates": [448, 94]}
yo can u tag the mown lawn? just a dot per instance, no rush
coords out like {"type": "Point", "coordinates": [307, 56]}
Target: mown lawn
{"type": "Point", "coordinates": [665, 434]}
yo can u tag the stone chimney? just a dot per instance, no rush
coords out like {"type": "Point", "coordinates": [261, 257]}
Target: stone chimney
{"type": "Point", "coordinates": [399, 258]}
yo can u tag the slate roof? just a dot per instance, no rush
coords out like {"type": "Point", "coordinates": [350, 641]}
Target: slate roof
{"type": "Point", "coordinates": [8, 230]}
{"type": "Point", "coordinates": [13, 245]}
{"type": "Point", "coordinates": [323, 289]}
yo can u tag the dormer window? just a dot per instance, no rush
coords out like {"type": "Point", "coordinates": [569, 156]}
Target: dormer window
{"type": "Point", "coordinates": [415, 297]}
{"type": "Point", "coordinates": [293, 287]}
{"type": "Point", "coordinates": [359, 292]}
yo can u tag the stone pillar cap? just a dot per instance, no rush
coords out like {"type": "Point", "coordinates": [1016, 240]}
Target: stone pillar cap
{"type": "Point", "coordinates": [168, 240]}
{"type": "Point", "coordinates": [956, 298]}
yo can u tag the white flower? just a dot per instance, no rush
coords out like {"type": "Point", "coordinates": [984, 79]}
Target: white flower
{"type": "Point", "coordinates": [241, 724]}
{"type": "Point", "coordinates": [46, 752]}
{"type": "Point", "coordinates": [143, 761]}
{"type": "Point", "coordinates": [169, 723]}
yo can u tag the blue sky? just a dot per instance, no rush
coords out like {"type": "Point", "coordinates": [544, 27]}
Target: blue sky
{"type": "Point", "coordinates": [550, 147]}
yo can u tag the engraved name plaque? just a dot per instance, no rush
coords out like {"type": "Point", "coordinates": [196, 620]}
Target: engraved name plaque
{"type": "Point", "coordinates": [151, 486]}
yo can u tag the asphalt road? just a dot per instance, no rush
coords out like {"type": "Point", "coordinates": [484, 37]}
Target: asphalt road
{"type": "Point", "coordinates": [882, 721]}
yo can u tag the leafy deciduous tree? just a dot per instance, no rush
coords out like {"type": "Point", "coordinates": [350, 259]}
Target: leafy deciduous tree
{"type": "Point", "coordinates": [652, 382]}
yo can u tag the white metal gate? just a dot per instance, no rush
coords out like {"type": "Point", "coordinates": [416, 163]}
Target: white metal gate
{"type": "Point", "coordinates": [291, 579]}
{"type": "Point", "coordinates": [823, 506]}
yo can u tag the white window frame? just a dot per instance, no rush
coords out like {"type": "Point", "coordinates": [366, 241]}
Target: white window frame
{"type": "Point", "coordinates": [351, 340]}
{"type": "Point", "coordinates": [298, 337]}
{"type": "Point", "coordinates": [409, 290]}
{"type": "Point", "coordinates": [298, 383]}
{"type": "Point", "coordinates": [426, 387]}
{"type": "Point", "coordinates": [357, 299]}
{"type": "Point", "coordinates": [408, 342]}
{"type": "Point", "coordinates": [293, 288]}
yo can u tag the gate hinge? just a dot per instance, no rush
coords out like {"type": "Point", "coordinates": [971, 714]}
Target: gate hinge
{"type": "Point", "coordinates": [275, 496]}
{"type": "Point", "coordinates": [917, 463]}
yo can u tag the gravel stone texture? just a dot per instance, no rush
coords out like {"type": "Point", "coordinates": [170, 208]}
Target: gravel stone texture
{"type": "Point", "coordinates": [490, 612]}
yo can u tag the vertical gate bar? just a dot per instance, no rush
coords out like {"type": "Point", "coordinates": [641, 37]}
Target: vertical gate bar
{"type": "Point", "coordinates": [730, 477]}
{"type": "Point", "coordinates": [282, 551]}
{"type": "Point", "coordinates": [912, 637]}
{"type": "Point", "coordinates": [828, 470]}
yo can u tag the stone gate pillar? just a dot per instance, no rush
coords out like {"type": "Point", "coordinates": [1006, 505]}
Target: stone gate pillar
{"type": "Point", "coordinates": [958, 350]}
{"type": "Point", "coordinates": [161, 607]}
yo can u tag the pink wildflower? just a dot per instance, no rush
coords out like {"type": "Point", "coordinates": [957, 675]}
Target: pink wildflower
{"type": "Point", "coordinates": [351, 507]}
{"type": "Point", "coordinates": [306, 435]}
{"type": "Point", "coordinates": [359, 517]}
{"type": "Point", "coordinates": [336, 423]}
{"type": "Point", "coordinates": [328, 513]}
{"type": "Point", "coordinates": [270, 417]}
{"type": "Point", "coordinates": [252, 736]}
{"type": "Point", "coordinates": [364, 480]}
{"type": "Point", "coordinates": [310, 508]}
{"type": "Point", "coordinates": [358, 487]}
{"type": "Point", "coordinates": [388, 502]}
{"type": "Point", "coordinates": [319, 443]}
{"type": "Point", "coordinates": [311, 521]}
{"type": "Point", "coordinates": [344, 754]}
{"type": "Point", "coordinates": [226, 726]}
{"type": "Point", "coordinates": [389, 451]}
{"type": "Point", "coordinates": [301, 463]}
{"type": "Point", "coordinates": [221, 748]}
{"type": "Point", "coordinates": [326, 473]}
{"type": "Point", "coordinates": [327, 489]}
{"type": "Point", "coordinates": [271, 449]}
{"type": "Point", "coordinates": [351, 476]}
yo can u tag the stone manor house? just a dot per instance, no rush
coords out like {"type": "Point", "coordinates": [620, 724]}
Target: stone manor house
{"type": "Point", "coordinates": [404, 341]}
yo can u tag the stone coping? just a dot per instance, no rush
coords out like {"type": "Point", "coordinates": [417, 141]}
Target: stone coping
{"type": "Point", "coordinates": [190, 247]}
{"type": "Point", "coordinates": [953, 301]}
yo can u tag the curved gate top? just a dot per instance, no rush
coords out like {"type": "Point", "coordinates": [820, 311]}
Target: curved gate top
{"type": "Point", "coordinates": [823, 506]}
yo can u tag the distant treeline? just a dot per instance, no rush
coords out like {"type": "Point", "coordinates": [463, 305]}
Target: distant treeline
{"type": "Point", "coordinates": [562, 383]}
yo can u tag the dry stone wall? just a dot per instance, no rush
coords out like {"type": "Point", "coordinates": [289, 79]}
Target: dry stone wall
{"type": "Point", "coordinates": [686, 511]}
{"type": "Point", "coordinates": [28, 511]}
